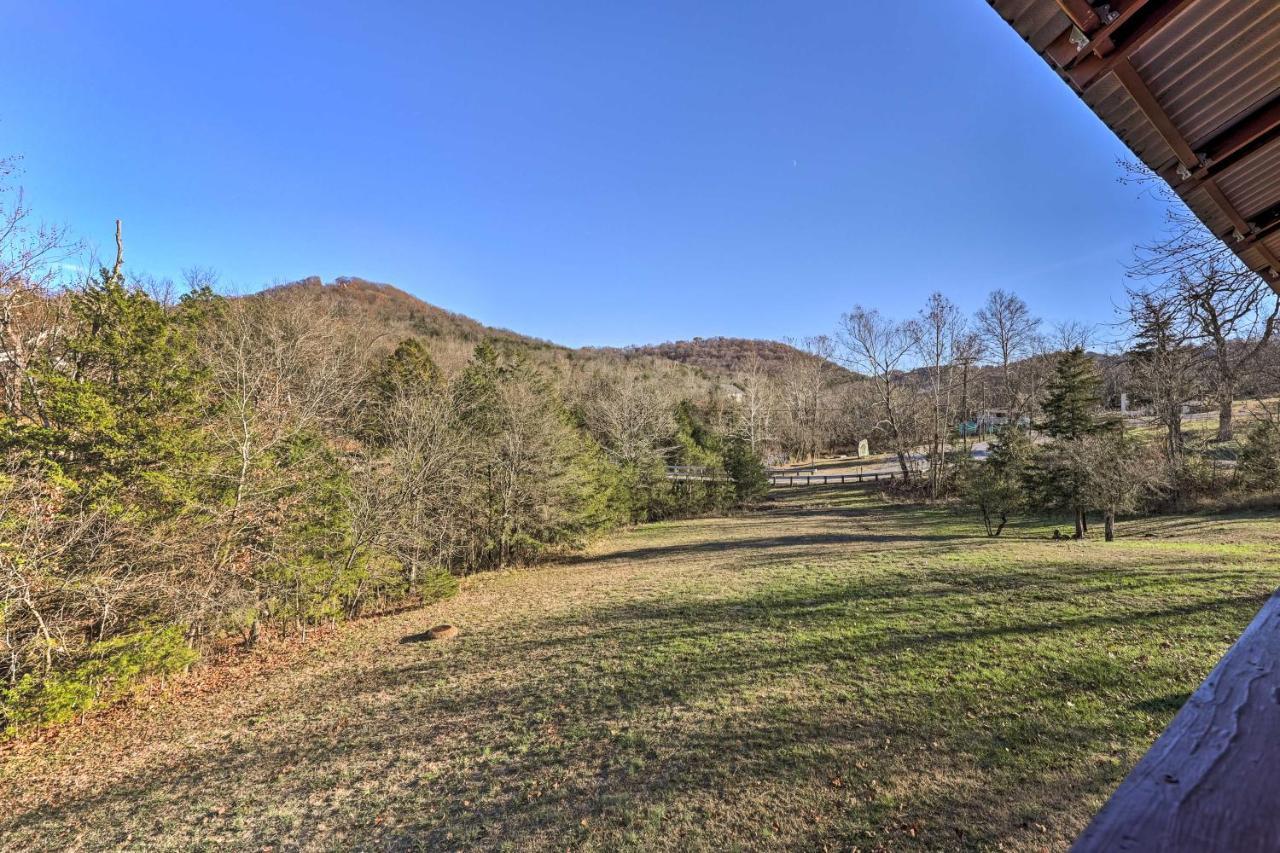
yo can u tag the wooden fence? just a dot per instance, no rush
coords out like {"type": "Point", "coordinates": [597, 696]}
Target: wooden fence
{"type": "Point", "coordinates": [778, 478]}
{"type": "Point", "coordinates": [831, 479]}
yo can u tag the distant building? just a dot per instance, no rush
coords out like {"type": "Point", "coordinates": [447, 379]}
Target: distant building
{"type": "Point", "coordinates": [988, 420]}
{"type": "Point", "coordinates": [992, 418]}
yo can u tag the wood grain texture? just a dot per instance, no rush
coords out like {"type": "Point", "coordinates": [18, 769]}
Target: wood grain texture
{"type": "Point", "coordinates": [1211, 782]}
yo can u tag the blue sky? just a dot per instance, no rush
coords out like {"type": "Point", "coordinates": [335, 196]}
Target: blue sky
{"type": "Point", "coordinates": [590, 173]}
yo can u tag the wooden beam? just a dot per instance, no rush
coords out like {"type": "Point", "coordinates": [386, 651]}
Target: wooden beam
{"type": "Point", "coordinates": [1255, 130]}
{"type": "Point", "coordinates": [1229, 146]}
{"type": "Point", "coordinates": [1157, 16]}
{"type": "Point", "coordinates": [1065, 52]}
{"type": "Point", "coordinates": [1081, 14]}
{"type": "Point", "coordinates": [1102, 43]}
{"type": "Point", "coordinates": [1146, 101]}
{"type": "Point", "coordinates": [1212, 780]}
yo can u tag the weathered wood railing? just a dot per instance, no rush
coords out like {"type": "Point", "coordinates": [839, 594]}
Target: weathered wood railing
{"type": "Point", "coordinates": [1211, 781]}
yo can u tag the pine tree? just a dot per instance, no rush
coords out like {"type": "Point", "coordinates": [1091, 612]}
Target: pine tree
{"type": "Point", "coordinates": [409, 369]}
{"type": "Point", "coordinates": [1074, 396]}
{"type": "Point", "coordinates": [408, 373]}
{"type": "Point", "coordinates": [745, 469]}
{"type": "Point", "coordinates": [121, 402]}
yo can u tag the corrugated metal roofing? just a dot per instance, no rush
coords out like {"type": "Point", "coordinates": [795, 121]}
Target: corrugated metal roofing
{"type": "Point", "coordinates": [1192, 87]}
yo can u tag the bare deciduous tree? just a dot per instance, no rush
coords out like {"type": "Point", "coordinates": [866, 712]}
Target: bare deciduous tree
{"type": "Point", "coordinates": [1010, 333]}
{"type": "Point", "coordinates": [939, 336]}
{"type": "Point", "coordinates": [1163, 365]}
{"type": "Point", "coordinates": [877, 348]}
{"type": "Point", "coordinates": [805, 376]}
{"type": "Point", "coordinates": [759, 399]}
{"type": "Point", "coordinates": [1234, 310]}
{"type": "Point", "coordinates": [31, 266]}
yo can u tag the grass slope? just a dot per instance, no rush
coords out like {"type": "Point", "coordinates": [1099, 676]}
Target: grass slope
{"type": "Point", "coordinates": [831, 674]}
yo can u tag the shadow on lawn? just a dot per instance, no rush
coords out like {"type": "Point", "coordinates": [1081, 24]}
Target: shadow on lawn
{"type": "Point", "coordinates": [928, 709]}
{"type": "Point", "coordinates": [761, 544]}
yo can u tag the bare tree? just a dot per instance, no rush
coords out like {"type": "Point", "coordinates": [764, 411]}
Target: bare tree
{"type": "Point", "coordinates": [1010, 333]}
{"type": "Point", "coordinates": [758, 403]}
{"type": "Point", "coordinates": [1067, 335]}
{"type": "Point", "coordinates": [804, 378]}
{"type": "Point", "coordinates": [425, 474]}
{"type": "Point", "coordinates": [877, 348]}
{"type": "Point", "coordinates": [1164, 366]}
{"type": "Point", "coordinates": [1235, 315]}
{"type": "Point", "coordinates": [31, 267]}
{"type": "Point", "coordinates": [938, 336]}
{"type": "Point", "coordinates": [279, 373]}
{"type": "Point", "coordinates": [631, 415]}
{"type": "Point", "coordinates": [1234, 309]}
{"type": "Point", "coordinates": [1116, 475]}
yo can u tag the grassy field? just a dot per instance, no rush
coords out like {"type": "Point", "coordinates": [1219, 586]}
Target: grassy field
{"type": "Point", "coordinates": [833, 673]}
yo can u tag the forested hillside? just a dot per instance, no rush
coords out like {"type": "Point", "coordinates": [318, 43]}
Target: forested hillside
{"type": "Point", "coordinates": [181, 469]}
{"type": "Point", "coordinates": [732, 355]}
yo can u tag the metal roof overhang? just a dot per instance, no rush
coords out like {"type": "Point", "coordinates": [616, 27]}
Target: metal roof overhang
{"type": "Point", "coordinates": [1192, 87]}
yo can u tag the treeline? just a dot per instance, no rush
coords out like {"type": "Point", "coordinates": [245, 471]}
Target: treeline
{"type": "Point", "coordinates": [1195, 338]}
{"type": "Point", "coordinates": [177, 473]}
{"type": "Point", "coordinates": [722, 355]}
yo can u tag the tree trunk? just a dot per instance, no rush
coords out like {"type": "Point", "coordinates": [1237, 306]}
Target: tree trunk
{"type": "Point", "coordinates": [1109, 526]}
{"type": "Point", "coordinates": [1225, 415]}
{"type": "Point", "coordinates": [1080, 528]}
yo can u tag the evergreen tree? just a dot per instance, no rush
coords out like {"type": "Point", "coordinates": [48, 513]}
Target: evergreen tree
{"type": "Point", "coordinates": [409, 369]}
{"type": "Point", "coordinates": [1073, 396]}
{"type": "Point", "coordinates": [698, 445]}
{"type": "Point", "coordinates": [120, 404]}
{"type": "Point", "coordinates": [999, 487]}
{"type": "Point", "coordinates": [534, 485]}
{"type": "Point", "coordinates": [408, 372]}
{"type": "Point", "coordinates": [745, 469]}
{"type": "Point", "coordinates": [1012, 453]}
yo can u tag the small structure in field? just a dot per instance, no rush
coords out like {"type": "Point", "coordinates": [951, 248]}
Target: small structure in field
{"type": "Point", "coordinates": [864, 449]}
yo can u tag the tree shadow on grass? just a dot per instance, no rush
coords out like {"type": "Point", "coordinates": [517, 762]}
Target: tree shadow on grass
{"type": "Point", "coordinates": [905, 711]}
{"type": "Point", "coordinates": [760, 544]}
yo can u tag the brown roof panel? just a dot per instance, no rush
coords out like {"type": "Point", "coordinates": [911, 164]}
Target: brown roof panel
{"type": "Point", "coordinates": [1254, 183]}
{"type": "Point", "coordinates": [1192, 87]}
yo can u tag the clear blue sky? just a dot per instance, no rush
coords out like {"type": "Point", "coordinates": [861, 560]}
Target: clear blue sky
{"type": "Point", "coordinates": [587, 172]}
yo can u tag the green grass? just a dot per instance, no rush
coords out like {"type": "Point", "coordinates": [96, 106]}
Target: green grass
{"type": "Point", "coordinates": [832, 673]}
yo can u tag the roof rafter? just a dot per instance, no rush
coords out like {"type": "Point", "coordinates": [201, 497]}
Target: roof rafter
{"type": "Point", "coordinates": [1232, 144]}
{"type": "Point", "coordinates": [1150, 106]}
{"type": "Point", "coordinates": [1144, 22]}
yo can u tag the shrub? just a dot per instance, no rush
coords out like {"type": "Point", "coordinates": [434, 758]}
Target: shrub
{"type": "Point", "coordinates": [115, 668]}
{"type": "Point", "coordinates": [994, 491]}
{"type": "Point", "coordinates": [1260, 455]}
{"type": "Point", "coordinates": [746, 470]}
{"type": "Point", "coordinates": [436, 584]}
